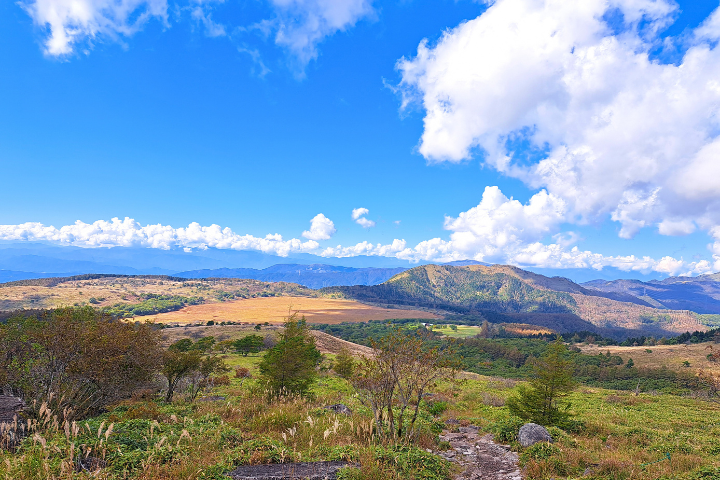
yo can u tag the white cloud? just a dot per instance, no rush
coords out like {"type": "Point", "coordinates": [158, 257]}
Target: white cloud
{"type": "Point", "coordinates": [358, 214]}
{"type": "Point", "coordinates": [321, 228]}
{"type": "Point", "coordinates": [614, 133]}
{"type": "Point", "coordinates": [302, 24]}
{"type": "Point", "coordinates": [129, 233]}
{"type": "Point", "coordinates": [366, 248]}
{"type": "Point", "coordinates": [71, 22]}
{"type": "Point", "coordinates": [212, 29]}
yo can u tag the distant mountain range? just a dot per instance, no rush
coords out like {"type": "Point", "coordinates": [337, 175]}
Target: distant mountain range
{"type": "Point", "coordinates": [19, 261]}
{"type": "Point", "coordinates": [312, 276]}
{"type": "Point", "coordinates": [700, 294]}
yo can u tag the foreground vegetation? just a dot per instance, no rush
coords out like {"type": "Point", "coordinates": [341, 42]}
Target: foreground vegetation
{"type": "Point", "coordinates": [237, 413]}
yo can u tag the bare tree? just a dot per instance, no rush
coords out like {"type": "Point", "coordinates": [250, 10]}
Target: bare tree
{"type": "Point", "coordinates": [393, 381]}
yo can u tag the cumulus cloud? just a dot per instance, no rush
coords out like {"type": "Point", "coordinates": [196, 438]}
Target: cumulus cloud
{"type": "Point", "coordinates": [358, 214]}
{"type": "Point", "coordinates": [611, 132]}
{"type": "Point", "coordinates": [366, 248]}
{"type": "Point", "coordinates": [129, 233]}
{"type": "Point", "coordinates": [302, 24]}
{"type": "Point", "coordinates": [321, 228]}
{"type": "Point", "coordinates": [70, 22]}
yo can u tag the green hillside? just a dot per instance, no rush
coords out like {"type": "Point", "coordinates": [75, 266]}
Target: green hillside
{"type": "Point", "coordinates": [502, 293]}
{"type": "Point", "coordinates": [461, 289]}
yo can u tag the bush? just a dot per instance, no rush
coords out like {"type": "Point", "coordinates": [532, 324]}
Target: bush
{"type": "Point", "coordinates": [242, 372]}
{"type": "Point", "coordinates": [539, 451]}
{"type": "Point", "coordinates": [344, 363]}
{"type": "Point", "coordinates": [400, 462]}
{"type": "Point", "coordinates": [506, 430]}
{"type": "Point", "coordinates": [437, 408]}
{"type": "Point", "coordinates": [706, 473]}
{"type": "Point", "coordinates": [76, 358]}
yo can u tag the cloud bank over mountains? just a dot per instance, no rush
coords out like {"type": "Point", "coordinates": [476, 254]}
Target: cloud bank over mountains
{"type": "Point", "coordinates": [491, 232]}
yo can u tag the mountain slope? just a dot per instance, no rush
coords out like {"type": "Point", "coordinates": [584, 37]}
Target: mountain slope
{"type": "Point", "coordinates": [519, 295]}
{"type": "Point", "coordinates": [312, 276]}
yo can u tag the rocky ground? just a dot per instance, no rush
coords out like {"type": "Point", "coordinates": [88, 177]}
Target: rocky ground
{"type": "Point", "coordinates": [479, 457]}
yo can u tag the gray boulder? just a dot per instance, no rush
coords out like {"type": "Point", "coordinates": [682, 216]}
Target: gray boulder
{"type": "Point", "coordinates": [340, 409]}
{"type": "Point", "coordinates": [532, 433]}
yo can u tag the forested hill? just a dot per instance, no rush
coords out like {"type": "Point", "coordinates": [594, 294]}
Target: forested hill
{"type": "Point", "coordinates": [461, 289]}
{"type": "Point", "coordinates": [516, 294]}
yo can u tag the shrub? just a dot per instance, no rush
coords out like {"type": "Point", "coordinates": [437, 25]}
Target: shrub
{"type": "Point", "coordinates": [539, 451]}
{"type": "Point", "coordinates": [344, 363]}
{"type": "Point", "coordinates": [506, 430]}
{"type": "Point", "coordinates": [242, 372]}
{"type": "Point", "coordinates": [399, 462]}
{"type": "Point", "coordinates": [437, 408]}
{"type": "Point", "coordinates": [76, 358]}
{"type": "Point", "coordinates": [706, 473]}
{"type": "Point", "coordinates": [221, 380]}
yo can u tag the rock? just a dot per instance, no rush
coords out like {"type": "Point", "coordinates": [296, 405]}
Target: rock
{"type": "Point", "coordinates": [285, 471]}
{"type": "Point", "coordinates": [532, 433]}
{"type": "Point", "coordinates": [9, 408]}
{"type": "Point", "coordinates": [89, 464]}
{"type": "Point", "coordinates": [469, 429]}
{"type": "Point", "coordinates": [339, 408]}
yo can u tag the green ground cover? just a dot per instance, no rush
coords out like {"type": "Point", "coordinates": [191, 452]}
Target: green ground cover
{"type": "Point", "coordinates": [618, 434]}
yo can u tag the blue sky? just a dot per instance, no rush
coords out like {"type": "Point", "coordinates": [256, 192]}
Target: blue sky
{"type": "Point", "coordinates": [258, 116]}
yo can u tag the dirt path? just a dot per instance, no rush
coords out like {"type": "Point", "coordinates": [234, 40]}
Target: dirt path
{"type": "Point", "coordinates": [479, 456]}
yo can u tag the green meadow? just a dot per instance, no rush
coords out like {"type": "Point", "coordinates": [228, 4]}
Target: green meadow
{"type": "Point", "coordinates": [619, 435]}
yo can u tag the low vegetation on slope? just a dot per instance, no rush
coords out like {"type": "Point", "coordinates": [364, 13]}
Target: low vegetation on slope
{"type": "Point", "coordinates": [126, 295]}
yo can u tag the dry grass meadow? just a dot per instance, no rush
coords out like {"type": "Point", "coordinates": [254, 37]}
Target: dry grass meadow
{"type": "Point", "coordinates": [275, 310]}
{"type": "Point", "coordinates": [670, 356]}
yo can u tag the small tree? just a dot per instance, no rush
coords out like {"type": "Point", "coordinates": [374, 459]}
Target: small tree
{"type": "Point", "coordinates": [393, 381]}
{"type": "Point", "coordinates": [344, 363]}
{"type": "Point", "coordinates": [288, 368]}
{"type": "Point", "coordinates": [552, 380]}
{"type": "Point", "coordinates": [178, 365]}
{"type": "Point", "coordinates": [200, 377]}
{"type": "Point", "coordinates": [248, 344]}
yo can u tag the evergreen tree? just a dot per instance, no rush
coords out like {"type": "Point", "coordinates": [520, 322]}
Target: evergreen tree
{"type": "Point", "coordinates": [344, 363]}
{"type": "Point", "coordinates": [249, 344]}
{"type": "Point", "coordinates": [288, 368]}
{"type": "Point", "coordinates": [552, 381]}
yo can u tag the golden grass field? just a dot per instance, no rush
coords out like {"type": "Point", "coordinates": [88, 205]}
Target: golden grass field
{"type": "Point", "coordinates": [275, 310]}
{"type": "Point", "coordinates": [670, 356]}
